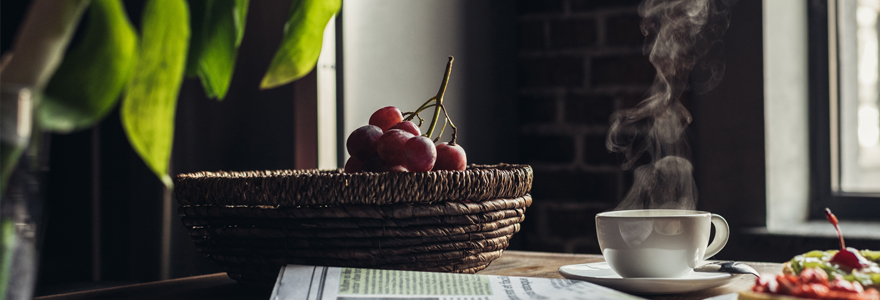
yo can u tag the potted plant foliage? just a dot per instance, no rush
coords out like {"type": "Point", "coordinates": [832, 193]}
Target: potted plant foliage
{"type": "Point", "coordinates": [50, 88]}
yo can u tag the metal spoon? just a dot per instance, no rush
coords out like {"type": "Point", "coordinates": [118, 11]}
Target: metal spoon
{"type": "Point", "coordinates": [729, 267]}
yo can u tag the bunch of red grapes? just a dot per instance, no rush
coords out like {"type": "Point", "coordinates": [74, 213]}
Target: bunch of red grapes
{"type": "Point", "coordinates": [391, 143]}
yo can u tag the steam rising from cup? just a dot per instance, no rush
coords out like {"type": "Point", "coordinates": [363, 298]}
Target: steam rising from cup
{"type": "Point", "coordinates": [681, 37]}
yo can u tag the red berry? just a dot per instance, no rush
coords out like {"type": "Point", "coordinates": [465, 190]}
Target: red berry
{"type": "Point", "coordinates": [851, 258]}
{"type": "Point", "coordinates": [353, 165]}
{"type": "Point", "coordinates": [361, 143]}
{"type": "Point", "coordinates": [450, 157]}
{"type": "Point", "coordinates": [386, 117]}
{"type": "Point", "coordinates": [420, 154]}
{"type": "Point", "coordinates": [390, 146]}
{"type": "Point", "coordinates": [408, 126]}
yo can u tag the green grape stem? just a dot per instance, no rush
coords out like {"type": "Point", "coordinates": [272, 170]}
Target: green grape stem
{"type": "Point", "coordinates": [439, 97]}
{"type": "Point", "coordinates": [415, 113]}
{"type": "Point", "coordinates": [437, 103]}
{"type": "Point", "coordinates": [454, 129]}
{"type": "Point", "coordinates": [442, 129]}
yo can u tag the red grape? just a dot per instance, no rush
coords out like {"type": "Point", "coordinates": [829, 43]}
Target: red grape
{"type": "Point", "coordinates": [375, 164]}
{"type": "Point", "coordinates": [353, 165]}
{"type": "Point", "coordinates": [420, 154]}
{"type": "Point", "coordinates": [361, 143]}
{"type": "Point", "coordinates": [390, 146]}
{"type": "Point", "coordinates": [450, 158]}
{"type": "Point", "coordinates": [397, 168]}
{"type": "Point", "coordinates": [408, 126]}
{"type": "Point", "coordinates": [386, 117]}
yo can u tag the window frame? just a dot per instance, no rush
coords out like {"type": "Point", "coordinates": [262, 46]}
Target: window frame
{"type": "Point", "coordinates": [824, 94]}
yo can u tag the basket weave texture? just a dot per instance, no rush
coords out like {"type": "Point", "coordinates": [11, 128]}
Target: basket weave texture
{"type": "Point", "coordinates": [252, 223]}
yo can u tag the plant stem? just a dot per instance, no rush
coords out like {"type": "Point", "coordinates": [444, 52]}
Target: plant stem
{"type": "Point", "coordinates": [442, 129]}
{"type": "Point", "coordinates": [420, 109]}
{"type": "Point", "coordinates": [41, 42]}
{"type": "Point", "coordinates": [439, 97]}
{"type": "Point", "coordinates": [454, 129]}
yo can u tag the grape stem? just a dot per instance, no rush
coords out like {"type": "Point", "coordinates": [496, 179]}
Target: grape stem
{"type": "Point", "coordinates": [437, 103]}
{"type": "Point", "coordinates": [454, 129]}
{"type": "Point", "coordinates": [439, 97]}
{"type": "Point", "coordinates": [424, 106]}
{"type": "Point", "coordinates": [442, 129]}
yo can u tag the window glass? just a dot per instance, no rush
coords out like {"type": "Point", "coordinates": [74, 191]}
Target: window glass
{"type": "Point", "coordinates": [859, 120]}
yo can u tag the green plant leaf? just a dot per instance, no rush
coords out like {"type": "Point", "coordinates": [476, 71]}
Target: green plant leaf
{"type": "Point", "coordinates": [150, 101]}
{"type": "Point", "coordinates": [301, 45]}
{"type": "Point", "coordinates": [88, 82]}
{"type": "Point", "coordinates": [217, 28]}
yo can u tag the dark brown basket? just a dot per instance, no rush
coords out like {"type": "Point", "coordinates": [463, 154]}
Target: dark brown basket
{"type": "Point", "coordinates": [252, 223]}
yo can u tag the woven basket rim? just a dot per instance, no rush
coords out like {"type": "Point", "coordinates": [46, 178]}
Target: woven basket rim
{"type": "Point", "coordinates": [316, 188]}
{"type": "Point", "coordinates": [333, 173]}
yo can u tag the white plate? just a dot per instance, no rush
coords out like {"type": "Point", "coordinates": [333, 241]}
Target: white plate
{"type": "Point", "coordinates": [600, 273]}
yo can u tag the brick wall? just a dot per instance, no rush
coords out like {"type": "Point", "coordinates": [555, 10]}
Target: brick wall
{"type": "Point", "coordinates": [579, 61]}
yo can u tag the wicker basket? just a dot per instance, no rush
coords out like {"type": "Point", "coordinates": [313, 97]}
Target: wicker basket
{"type": "Point", "coordinates": [252, 223]}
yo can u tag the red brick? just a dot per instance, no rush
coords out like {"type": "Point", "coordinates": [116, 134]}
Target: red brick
{"type": "Point", "coordinates": [531, 35]}
{"type": "Point", "coordinates": [538, 6]}
{"type": "Point", "coordinates": [624, 30]}
{"type": "Point", "coordinates": [537, 109]}
{"type": "Point", "coordinates": [551, 72]}
{"type": "Point", "coordinates": [572, 33]}
{"type": "Point", "coordinates": [622, 70]}
{"type": "Point", "coordinates": [588, 5]}
{"type": "Point", "coordinates": [595, 152]}
{"type": "Point", "coordinates": [554, 149]}
{"type": "Point", "coordinates": [583, 109]}
{"type": "Point", "coordinates": [575, 185]}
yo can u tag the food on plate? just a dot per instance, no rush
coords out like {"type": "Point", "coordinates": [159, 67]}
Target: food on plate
{"type": "Point", "coordinates": [847, 273]}
{"type": "Point", "coordinates": [393, 143]}
{"type": "Point", "coordinates": [811, 283]}
{"type": "Point", "coordinates": [847, 263]}
{"type": "Point", "coordinates": [868, 275]}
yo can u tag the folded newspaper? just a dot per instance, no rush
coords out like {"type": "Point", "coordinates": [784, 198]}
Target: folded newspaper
{"type": "Point", "coordinates": [297, 282]}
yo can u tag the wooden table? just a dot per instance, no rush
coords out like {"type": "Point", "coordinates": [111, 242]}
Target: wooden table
{"type": "Point", "coordinates": [511, 263]}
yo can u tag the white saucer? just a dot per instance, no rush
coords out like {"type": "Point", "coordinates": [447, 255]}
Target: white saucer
{"type": "Point", "coordinates": [600, 273]}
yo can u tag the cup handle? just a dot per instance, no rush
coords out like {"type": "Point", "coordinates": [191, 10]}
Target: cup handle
{"type": "Point", "coordinates": [722, 233]}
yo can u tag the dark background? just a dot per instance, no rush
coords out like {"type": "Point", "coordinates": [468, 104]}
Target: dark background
{"type": "Point", "coordinates": [582, 60]}
{"type": "Point", "coordinates": [576, 62]}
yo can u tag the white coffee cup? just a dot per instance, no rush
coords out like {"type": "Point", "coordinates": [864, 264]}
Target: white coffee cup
{"type": "Point", "coordinates": [658, 243]}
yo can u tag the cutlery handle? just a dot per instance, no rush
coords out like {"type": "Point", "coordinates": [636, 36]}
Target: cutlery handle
{"type": "Point", "coordinates": [722, 233]}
